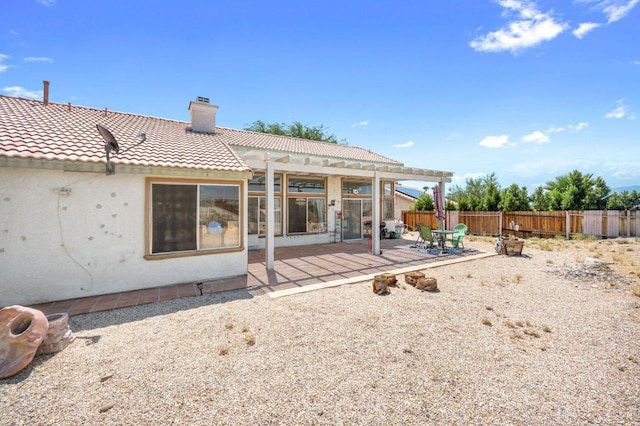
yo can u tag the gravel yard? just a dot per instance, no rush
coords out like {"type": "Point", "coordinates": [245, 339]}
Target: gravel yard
{"type": "Point", "coordinates": [506, 340]}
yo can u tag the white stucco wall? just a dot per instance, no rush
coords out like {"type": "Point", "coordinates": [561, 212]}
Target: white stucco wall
{"type": "Point", "coordinates": [90, 242]}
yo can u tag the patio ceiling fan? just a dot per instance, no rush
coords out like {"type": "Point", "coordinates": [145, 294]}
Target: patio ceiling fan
{"type": "Point", "coordinates": [111, 145]}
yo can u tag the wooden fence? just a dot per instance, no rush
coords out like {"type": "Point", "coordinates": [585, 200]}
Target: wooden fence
{"type": "Point", "coordinates": [598, 223]}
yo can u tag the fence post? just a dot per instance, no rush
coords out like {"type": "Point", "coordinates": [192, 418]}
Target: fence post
{"type": "Point", "coordinates": [568, 232]}
{"type": "Point", "coordinates": [628, 223]}
{"type": "Point", "coordinates": [500, 224]}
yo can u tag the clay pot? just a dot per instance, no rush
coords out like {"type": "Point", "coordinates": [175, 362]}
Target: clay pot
{"type": "Point", "coordinates": [59, 335]}
{"type": "Point", "coordinates": [58, 326]}
{"type": "Point", "coordinates": [21, 333]}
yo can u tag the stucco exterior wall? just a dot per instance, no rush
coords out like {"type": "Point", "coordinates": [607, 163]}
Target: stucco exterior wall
{"type": "Point", "coordinates": [401, 203]}
{"type": "Point", "coordinates": [334, 186]}
{"type": "Point", "coordinates": [89, 242]}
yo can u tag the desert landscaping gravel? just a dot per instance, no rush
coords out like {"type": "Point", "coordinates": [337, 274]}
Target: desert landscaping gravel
{"type": "Point", "coordinates": [507, 340]}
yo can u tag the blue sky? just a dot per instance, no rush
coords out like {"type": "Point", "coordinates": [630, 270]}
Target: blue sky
{"type": "Point", "coordinates": [528, 90]}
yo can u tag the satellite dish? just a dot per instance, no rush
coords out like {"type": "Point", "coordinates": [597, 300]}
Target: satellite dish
{"type": "Point", "coordinates": [111, 145]}
{"type": "Point", "coordinates": [110, 142]}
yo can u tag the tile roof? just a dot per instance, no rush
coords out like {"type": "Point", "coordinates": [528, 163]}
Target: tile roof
{"type": "Point", "coordinates": [29, 129]}
{"type": "Point", "coordinates": [287, 144]}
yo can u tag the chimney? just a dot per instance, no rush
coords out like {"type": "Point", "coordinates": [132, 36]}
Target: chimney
{"type": "Point", "coordinates": [203, 115]}
{"type": "Point", "coordinates": [45, 95]}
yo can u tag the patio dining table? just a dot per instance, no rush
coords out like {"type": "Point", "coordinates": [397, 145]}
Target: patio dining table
{"type": "Point", "coordinates": [441, 236]}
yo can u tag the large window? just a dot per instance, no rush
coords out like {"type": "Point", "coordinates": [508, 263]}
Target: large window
{"type": "Point", "coordinates": [307, 185]}
{"type": "Point", "coordinates": [307, 215]}
{"type": "Point", "coordinates": [306, 208]}
{"type": "Point", "coordinates": [387, 200]}
{"type": "Point", "coordinates": [356, 187]}
{"type": "Point", "coordinates": [258, 215]}
{"type": "Point", "coordinates": [257, 205]}
{"type": "Point", "coordinates": [192, 217]}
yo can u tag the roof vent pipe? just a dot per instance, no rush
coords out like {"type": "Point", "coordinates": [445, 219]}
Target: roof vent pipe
{"type": "Point", "coordinates": [45, 93]}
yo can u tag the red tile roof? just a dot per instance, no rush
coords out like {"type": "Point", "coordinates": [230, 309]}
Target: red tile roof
{"type": "Point", "coordinates": [29, 129]}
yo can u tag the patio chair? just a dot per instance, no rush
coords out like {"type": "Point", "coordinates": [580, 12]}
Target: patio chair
{"type": "Point", "coordinates": [427, 242]}
{"type": "Point", "coordinates": [457, 237]}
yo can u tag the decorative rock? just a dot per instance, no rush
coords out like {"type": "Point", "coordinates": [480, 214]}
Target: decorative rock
{"type": "Point", "coordinates": [427, 284]}
{"type": "Point", "coordinates": [412, 277]}
{"type": "Point", "coordinates": [22, 330]}
{"type": "Point", "coordinates": [106, 407]}
{"type": "Point", "coordinates": [592, 261]}
{"type": "Point", "coordinates": [389, 278]}
{"type": "Point", "coordinates": [380, 285]}
{"type": "Point", "coordinates": [105, 378]}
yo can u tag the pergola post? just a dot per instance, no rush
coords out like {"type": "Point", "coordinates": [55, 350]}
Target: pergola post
{"type": "Point", "coordinates": [270, 217]}
{"type": "Point", "coordinates": [375, 219]}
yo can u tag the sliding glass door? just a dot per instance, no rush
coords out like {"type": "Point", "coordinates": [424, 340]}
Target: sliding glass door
{"type": "Point", "coordinates": [356, 219]}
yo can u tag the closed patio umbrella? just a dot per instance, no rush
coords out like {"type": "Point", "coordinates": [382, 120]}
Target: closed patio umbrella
{"type": "Point", "coordinates": [439, 202]}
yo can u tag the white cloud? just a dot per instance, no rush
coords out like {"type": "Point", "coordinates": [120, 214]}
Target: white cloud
{"type": "Point", "coordinates": [21, 92]}
{"type": "Point", "coordinates": [617, 112]}
{"type": "Point", "coordinates": [360, 123]}
{"type": "Point", "coordinates": [584, 28]}
{"type": "Point", "coordinates": [578, 127]}
{"type": "Point", "coordinates": [47, 2]}
{"type": "Point", "coordinates": [623, 170]}
{"type": "Point", "coordinates": [573, 127]}
{"type": "Point", "coordinates": [407, 144]}
{"type": "Point", "coordinates": [3, 58]}
{"type": "Point", "coordinates": [553, 167]}
{"type": "Point", "coordinates": [536, 137]}
{"type": "Point", "coordinates": [616, 9]}
{"type": "Point", "coordinates": [620, 111]}
{"type": "Point", "coordinates": [461, 179]}
{"type": "Point", "coordinates": [636, 62]}
{"type": "Point", "coordinates": [531, 27]}
{"type": "Point", "coordinates": [38, 59]}
{"type": "Point", "coordinates": [496, 141]}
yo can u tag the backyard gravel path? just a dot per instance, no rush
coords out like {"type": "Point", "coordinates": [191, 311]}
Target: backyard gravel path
{"type": "Point", "coordinates": [505, 341]}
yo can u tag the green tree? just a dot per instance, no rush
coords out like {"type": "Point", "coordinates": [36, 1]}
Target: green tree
{"type": "Point", "coordinates": [577, 191]}
{"type": "Point", "coordinates": [480, 194]}
{"type": "Point", "coordinates": [540, 200]}
{"type": "Point", "coordinates": [425, 202]}
{"type": "Point", "coordinates": [514, 198]}
{"type": "Point", "coordinates": [294, 130]}
{"type": "Point", "coordinates": [624, 201]}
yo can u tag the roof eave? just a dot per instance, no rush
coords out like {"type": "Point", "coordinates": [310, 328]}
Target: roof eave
{"type": "Point", "coordinates": [99, 167]}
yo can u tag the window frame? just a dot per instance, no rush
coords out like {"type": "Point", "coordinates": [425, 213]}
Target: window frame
{"type": "Point", "coordinates": [307, 196]}
{"type": "Point", "coordinates": [148, 226]}
{"type": "Point", "coordinates": [277, 191]}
